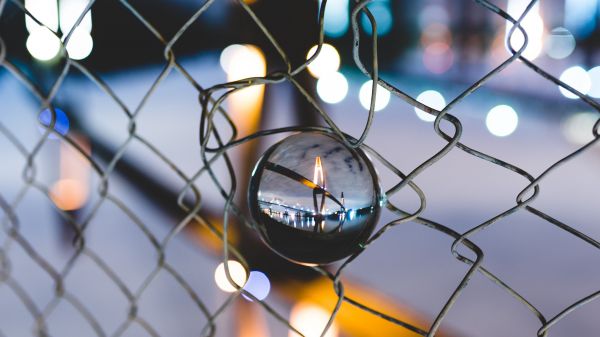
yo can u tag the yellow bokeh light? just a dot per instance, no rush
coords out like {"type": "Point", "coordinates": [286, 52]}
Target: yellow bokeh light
{"type": "Point", "coordinates": [310, 320]}
{"type": "Point", "coordinates": [69, 194]}
{"type": "Point", "coordinates": [328, 60]}
{"type": "Point", "coordinates": [243, 61]}
{"type": "Point", "coordinates": [238, 275]}
{"type": "Point", "coordinates": [245, 105]}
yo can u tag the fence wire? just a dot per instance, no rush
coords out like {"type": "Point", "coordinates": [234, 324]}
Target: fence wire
{"type": "Point", "coordinates": [211, 99]}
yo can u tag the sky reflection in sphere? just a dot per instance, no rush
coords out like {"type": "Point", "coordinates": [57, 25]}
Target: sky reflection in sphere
{"type": "Point", "coordinates": [314, 199]}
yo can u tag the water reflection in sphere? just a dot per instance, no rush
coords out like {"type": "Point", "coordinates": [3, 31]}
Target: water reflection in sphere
{"type": "Point", "coordinates": [314, 199]}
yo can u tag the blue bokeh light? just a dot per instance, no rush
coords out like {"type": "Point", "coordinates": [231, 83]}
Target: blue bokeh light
{"type": "Point", "coordinates": [258, 284]}
{"type": "Point", "coordinates": [337, 18]}
{"type": "Point", "coordinates": [382, 11]}
{"type": "Point", "coordinates": [581, 16]}
{"type": "Point", "coordinates": [61, 124]}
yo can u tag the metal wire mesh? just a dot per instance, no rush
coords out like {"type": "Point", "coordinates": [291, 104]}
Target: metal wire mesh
{"type": "Point", "coordinates": [211, 100]}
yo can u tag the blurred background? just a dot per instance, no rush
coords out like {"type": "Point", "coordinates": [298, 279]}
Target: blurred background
{"type": "Point", "coordinates": [126, 283]}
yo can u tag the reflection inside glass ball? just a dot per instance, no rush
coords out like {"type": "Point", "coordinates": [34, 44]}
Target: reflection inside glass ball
{"type": "Point", "coordinates": [314, 199]}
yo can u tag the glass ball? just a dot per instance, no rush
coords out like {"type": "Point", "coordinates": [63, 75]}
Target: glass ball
{"type": "Point", "coordinates": [314, 200]}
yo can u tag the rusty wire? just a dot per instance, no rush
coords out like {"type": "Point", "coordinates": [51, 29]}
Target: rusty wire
{"type": "Point", "coordinates": [210, 100]}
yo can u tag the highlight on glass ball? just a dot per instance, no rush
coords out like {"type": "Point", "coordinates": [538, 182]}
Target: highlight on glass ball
{"type": "Point", "coordinates": [314, 200]}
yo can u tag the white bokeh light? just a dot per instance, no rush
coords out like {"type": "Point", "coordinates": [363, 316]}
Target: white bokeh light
{"type": "Point", "coordinates": [70, 10]}
{"type": "Point", "coordinates": [45, 46]}
{"type": "Point", "coordinates": [228, 54]}
{"type": "Point", "coordinates": [243, 61]}
{"type": "Point", "coordinates": [80, 45]}
{"type": "Point", "coordinates": [577, 78]}
{"type": "Point", "coordinates": [382, 97]}
{"type": "Point", "coordinates": [328, 60]}
{"type": "Point", "coordinates": [594, 75]}
{"type": "Point", "coordinates": [560, 43]}
{"type": "Point", "coordinates": [578, 127]}
{"type": "Point", "coordinates": [44, 11]}
{"type": "Point", "coordinates": [258, 285]}
{"type": "Point", "coordinates": [433, 99]}
{"type": "Point", "coordinates": [502, 120]}
{"type": "Point", "coordinates": [310, 320]}
{"type": "Point", "coordinates": [238, 275]}
{"type": "Point", "coordinates": [332, 87]}
{"type": "Point", "coordinates": [42, 44]}
{"type": "Point", "coordinates": [533, 24]}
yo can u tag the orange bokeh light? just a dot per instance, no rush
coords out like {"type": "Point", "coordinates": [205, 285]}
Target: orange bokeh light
{"type": "Point", "coordinates": [69, 194]}
{"type": "Point", "coordinates": [71, 191]}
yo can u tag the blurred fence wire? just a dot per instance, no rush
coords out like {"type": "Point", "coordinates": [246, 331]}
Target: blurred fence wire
{"type": "Point", "coordinates": [210, 99]}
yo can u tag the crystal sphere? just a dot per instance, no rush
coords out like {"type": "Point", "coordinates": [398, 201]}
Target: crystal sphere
{"type": "Point", "coordinates": [314, 200]}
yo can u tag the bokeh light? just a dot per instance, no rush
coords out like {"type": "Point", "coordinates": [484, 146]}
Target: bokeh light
{"type": "Point", "coordinates": [533, 24]}
{"type": "Point", "coordinates": [436, 32]}
{"type": "Point", "coordinates": [245, 105]}
{"type": "Point", "coordinates": [382, 97]}
{"type": "Point", "coordinates": [578, 127]}
{"type": "Point", "coordinates": [332, 87]}
{"type": "Point", "coordinates": [438, 57]}
{"type": "Point", "coordinates": [433, 13]}
{"type": "Point", "coordinates": [43, 45]}
{"type": "Point", "coordinates": [70, 11]}
{"type": "Point", "coordinates": [594, 75]}
{"type": "Point", "coordinates": [328, 60]}
{"type": "Point", "coordinates": [382, 12]}
{"type": "Point", "coordinates": [560, 43]}
{"type": "Point", "coordinates": [69, 194]}
{"type": "Point", "coordinates": [238, 275]}
{"type": "Point", "coordinates": [580, 16]}
{"type": "Point", "coordinates": [337, 17]}
{"type": "Point", "coordinates": [61, 124]}
{"type": "Point", "coordinates": [436, 40]}
{"type": "Point", "coordinates": [45, 12]}
{"type": "Point", "coordinates": [502, 120]}
{"type": "Point", "coordinates": [71, 191]}
{"type": "Point", "coordinates": [578, 79]}
{"type": "Point", "coordinates": [243, 61]}
{"type": "Point", "coordinates": [432, 98]}
{"type": "Point", "coordinates": [258, 284]}
{"type": "Point", "coordinates": [310, 320]}
{"type": "Point", "coordinates": [227, 55]}
{"type": "Point", "coordinates": [80, 45]}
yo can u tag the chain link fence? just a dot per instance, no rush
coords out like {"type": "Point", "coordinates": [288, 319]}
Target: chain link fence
{"type": "Point", "coordinates": [210, 101]}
